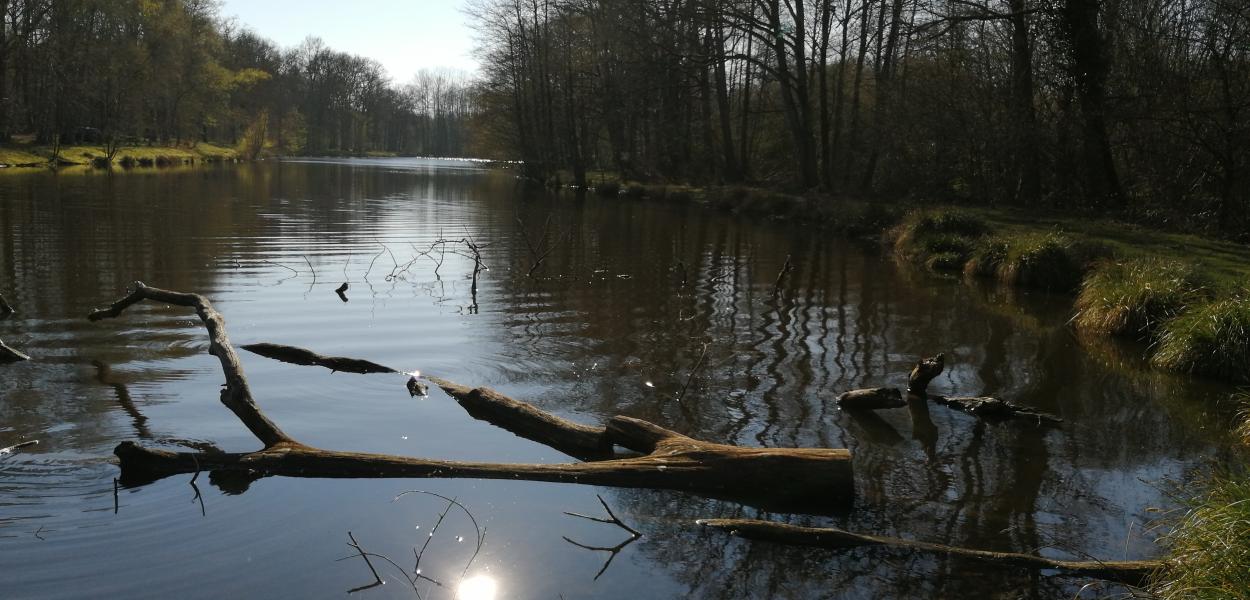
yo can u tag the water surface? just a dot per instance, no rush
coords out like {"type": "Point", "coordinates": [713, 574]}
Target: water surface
{"type": "Point", "coordinates": [612, 322]}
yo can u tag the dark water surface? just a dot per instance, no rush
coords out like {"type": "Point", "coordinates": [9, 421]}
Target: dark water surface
{"type": "Point", "coordinates": [604, 327]}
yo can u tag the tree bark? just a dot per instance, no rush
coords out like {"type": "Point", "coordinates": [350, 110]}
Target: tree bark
{"type": "Point", "coordinates": [1129, 572]}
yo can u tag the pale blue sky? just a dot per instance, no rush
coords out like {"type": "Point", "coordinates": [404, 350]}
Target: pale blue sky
{"type": "Point", "coordinates": [403, 35]}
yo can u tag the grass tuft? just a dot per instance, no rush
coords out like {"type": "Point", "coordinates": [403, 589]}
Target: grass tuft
{"type": "Point", "coordinates": [1134, 297]}
{"type": "Point", "coordinates": [1210, 339]}
{"type": "Point", "coordinates": [941, 240]}
{"type": "Point", "coordinates": [1210, 546]}
{"type": "Point", "coordinates": [1049, 261]}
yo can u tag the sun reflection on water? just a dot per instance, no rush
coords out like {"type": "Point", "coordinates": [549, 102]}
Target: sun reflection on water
{"type": "Point", "coordinates": [478, 587]}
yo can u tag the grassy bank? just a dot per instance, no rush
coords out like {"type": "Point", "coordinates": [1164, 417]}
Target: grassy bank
{"type": "Point", "coordinates": [1184, 295]}
{"type": "Point", "coordinates": [41, 157]}
{"type": "Point", "coordinates": [1209, 545]}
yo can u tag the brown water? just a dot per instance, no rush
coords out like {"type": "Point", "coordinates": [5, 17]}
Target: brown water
{"type": "Point", "coordinates": [604, 327]}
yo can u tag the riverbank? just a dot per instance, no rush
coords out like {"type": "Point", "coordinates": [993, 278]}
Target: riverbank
{"type": "Point", "coordinates": [27, 157]}
{"type": "Point", "coordinates": [1185, 296]}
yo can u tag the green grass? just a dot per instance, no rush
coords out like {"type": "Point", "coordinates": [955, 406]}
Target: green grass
{"type": "Point", "coordinates": [941, 240]}
{"type": "Point", "coordinates": [1051, 261]}
{"type": "Point", "coordinates": [1134, 297]}
{"type": "Point", "coordinates": [1211, 339]}
{"type": "Point", "coordinates": [39, 156]}
{"type": "Point", "coordinates": [1209, 546]}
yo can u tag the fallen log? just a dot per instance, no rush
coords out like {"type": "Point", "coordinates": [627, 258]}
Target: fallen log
{"type": "Point", "coordinates": [301, 356]}
{"type": "Point", "coordinates": [1133, 573]}
{"type": "Point", "coordinates": [798, 479]}
{"type": "Point", "coordinates": [10, 354]}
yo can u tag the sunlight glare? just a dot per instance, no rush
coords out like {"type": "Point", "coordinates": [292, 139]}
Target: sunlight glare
{"type": "Point", "coordinates": [478, 587]}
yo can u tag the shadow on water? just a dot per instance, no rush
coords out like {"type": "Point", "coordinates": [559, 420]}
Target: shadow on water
{"type": "Point", "coordinates": [615, 320]}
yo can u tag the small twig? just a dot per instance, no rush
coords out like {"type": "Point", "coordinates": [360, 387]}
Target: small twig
{"type": "Point", "coordinates": [612, 551]}
{"type": "Point", "coordinates": [280, 265]}
{"type": "Point", "coordinates": [198, 497]}
{"type": "Point", "coordinates": [115, 506]}
{"type": "Point", "coordinates": [781, 276]}
{"type": "Point", "coordinates": [375, 259]}
{"type": "Point", "coordinates": [376, 578]}
{"type": "Point", "coordinates": [340, 291]}
{"type": "Point", "coordinates": [693, 372]}
{"type": "Point", "coordinates": [16, 447]}
{"type": "Point", "coordinates": [310, 268]}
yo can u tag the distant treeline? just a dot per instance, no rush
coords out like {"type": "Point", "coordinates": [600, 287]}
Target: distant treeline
{"type": "Point", "coordinates": [172, 71]}
{"type": "Point", "coordinates": [1140, 107]}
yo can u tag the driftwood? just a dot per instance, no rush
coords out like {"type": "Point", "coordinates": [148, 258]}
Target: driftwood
{"type": "Point", "coordinates": [990, 408]}
{"type": "Point", "coordinates": [300, 356]}
{"type": "Point", "coordinates": [16, 447]}
{"type": "Point", "coordinates": [813, 479]}
{"type": "Point", "coordinates": [1129, 572]}
{"type": "Point", "coordinates": [885, 398]}
{"type": "Point", "coordinates": [985, 407]}
{"type": "Point", "coordinates": [871, 399]}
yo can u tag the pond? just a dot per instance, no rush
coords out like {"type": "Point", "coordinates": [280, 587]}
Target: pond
{"type": "Point", "coordinates": [615, 320]}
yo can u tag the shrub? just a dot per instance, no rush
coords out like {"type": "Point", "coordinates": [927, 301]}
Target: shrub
{"type": "Point", "coordinates": [146, 162]}
{"type": "Point", "coordinates": [1134, 297]}
{"type": "Point", "coordinates": [100, 162]}
{"type": "Point", "coordinates": [127, 162]}
{"type": "Point", "coordinates": [164, 161]}
{"type": "Point", "coordinates": [1209, 339]}
{"type": "Point", "coordinates": [1210, 545]}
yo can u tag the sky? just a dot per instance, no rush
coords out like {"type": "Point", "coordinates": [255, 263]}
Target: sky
{"type": "Point", "coordinates": [403, 35]}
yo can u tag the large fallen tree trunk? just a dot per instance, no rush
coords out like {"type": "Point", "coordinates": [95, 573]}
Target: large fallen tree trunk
{"type": "Point", "coordinates": [1129, 572]}
{"type": "Point", "coordinates": [808, 479]}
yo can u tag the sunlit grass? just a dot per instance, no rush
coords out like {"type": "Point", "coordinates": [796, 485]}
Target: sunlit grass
{"type": "Point", "coordinates": [1210, 339]}
{"type": "Point", "coordinates": [1210, 546]}
{"type": "Point", "coordinates": [1134, 297]}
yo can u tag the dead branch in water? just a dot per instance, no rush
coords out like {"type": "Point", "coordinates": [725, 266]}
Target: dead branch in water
{"type": "Point", "coordinates": [781, 276]}
{"type": "Point", "coordinates": [6, 309]}
{"type": "Point", "coordinates": [16, 447]}
{"type": "Point", "coordinates": [1128, 572]}
{"type": "Point", "coordinates": [612, 551]}
{"type": "Point", "coordinates": [539, 251]}
{"type": "Point", "coordinates": [816, 479]}
{"type": "Point", "coordinates": [985, 407]}
{"type": "Point", "coordinates": [11, 354]}
{"type": "Point", "coordinates": [300, 356]}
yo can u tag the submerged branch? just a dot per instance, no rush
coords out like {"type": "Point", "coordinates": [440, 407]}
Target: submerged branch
{"type": "Point", "coordinates": [1128, 572]}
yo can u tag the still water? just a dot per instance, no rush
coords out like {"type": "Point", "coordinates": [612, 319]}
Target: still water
{"type": "Point", "coordinates": [612, 322]}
